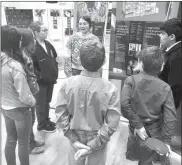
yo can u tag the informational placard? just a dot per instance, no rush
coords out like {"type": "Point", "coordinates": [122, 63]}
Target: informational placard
{"type": "Point", "coordinates": [121, 50]}
{"type": "Point", "coordinates": [98, 30]}
{"type": "Point", "coordinates": [151, 34]}
{"type": "Point", "coordinates": [131, 37]}
{"type": "Point", "coordinates": [136, 33]}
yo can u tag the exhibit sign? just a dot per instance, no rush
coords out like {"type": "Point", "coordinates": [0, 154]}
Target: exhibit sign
{"type": "Point", "coordinates": [131, 37]}
{"type": "Point", "coordinates": [98, 30]}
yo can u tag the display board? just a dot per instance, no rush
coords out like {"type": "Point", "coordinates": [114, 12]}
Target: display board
{"type": "Point", "coordinates": [98, 30]}
{"type": "Point", "coordinates": [122, 40]}
{"type": "Point", "coordinates": [151, 34]}
{"type": "Point", "coordinates": [131, 37]}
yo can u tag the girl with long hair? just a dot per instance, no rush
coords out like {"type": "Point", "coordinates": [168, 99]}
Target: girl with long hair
{"type": "Point", "coordinates": [17, 98]}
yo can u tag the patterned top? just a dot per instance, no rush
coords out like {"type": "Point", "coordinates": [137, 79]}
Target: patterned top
{"type": "Point", "coordinates": [15, 89]}
{"type": "Point", "coordinates": [74, 44]}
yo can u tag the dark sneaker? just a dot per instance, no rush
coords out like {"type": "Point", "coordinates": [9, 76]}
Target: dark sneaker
{"type": "Point", "coordinates": [48, 128]}
{"type": "Point", "coordinates": [50, 122]}
{"type": "Point", "coordinates": [36, 150]}
{"type": "Point", "coordinates": [39, 143]}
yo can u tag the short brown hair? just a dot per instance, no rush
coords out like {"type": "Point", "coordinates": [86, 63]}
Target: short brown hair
{"type": "Point", "coordinates": [173, 26]}
{"type": "Point", "coordinates": [36, 26]}
{"type": "Point", "coordinates": [92, 55]}
{"type": "Point", "coordinates": [152, 59]}
{"type": "Point", "coordinates": [27, 36]}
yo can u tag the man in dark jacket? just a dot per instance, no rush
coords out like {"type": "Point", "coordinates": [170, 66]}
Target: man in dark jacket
{"type": "Point", "coordinates": [46, 70]}
{"type": "Point", "coordinates": [170, 37]}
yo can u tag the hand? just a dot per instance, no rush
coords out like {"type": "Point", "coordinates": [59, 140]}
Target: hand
{"type": "Point", "coordinates": [80, 153]}
{"type": "Point", "coordinates": [78, 145]}
{"type": "Point", "coordinates": [169, 148]}
{"type": "Point", "coordinates": [141, 133]}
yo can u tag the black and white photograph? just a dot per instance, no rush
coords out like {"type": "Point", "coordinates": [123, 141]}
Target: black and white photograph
{"type": "Point", "coordinates": [91, 82]}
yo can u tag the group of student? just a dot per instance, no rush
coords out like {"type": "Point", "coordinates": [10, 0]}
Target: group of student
{"type": "Point", "coordinates": [88, 107]}
{"type": "Point", "coordinates": [29, 72]}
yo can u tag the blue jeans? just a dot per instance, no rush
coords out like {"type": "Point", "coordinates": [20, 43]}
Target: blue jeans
{"type": "Point", "coordinates": [32, 137]}
{"type": "Point", "coordinates": [18, 128]}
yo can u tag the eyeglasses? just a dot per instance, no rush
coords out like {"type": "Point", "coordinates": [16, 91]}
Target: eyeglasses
{"type": "Point", "coordinates": [45, 30]}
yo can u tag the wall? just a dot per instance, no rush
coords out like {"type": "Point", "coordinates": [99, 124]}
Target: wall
{"type": "Point", "coordinates": [35, 5]}
{"type": "Point", "coordinates": [160, 16]}
{"type": "Point", "coordinates": [54, 34]}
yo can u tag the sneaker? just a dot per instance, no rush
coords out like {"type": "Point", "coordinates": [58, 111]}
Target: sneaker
{"type": "Point", "coordinates": [36, 150]}
{"type": "Point", "coordinates": [48, 128]}
{"type": "Point", "coordinates": [39, 143]}
{"type": "Point", "coordinates": [50, 122]}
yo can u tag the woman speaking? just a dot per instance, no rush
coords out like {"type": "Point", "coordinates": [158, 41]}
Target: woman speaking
{"type": "Point", "coordinates": [72, 64]}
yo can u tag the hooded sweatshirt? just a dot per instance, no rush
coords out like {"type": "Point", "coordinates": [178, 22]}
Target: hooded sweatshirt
{"type": "Point", "coordinates": [15, 89]}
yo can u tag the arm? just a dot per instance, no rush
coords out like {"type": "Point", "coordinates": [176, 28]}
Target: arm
{"type": "Point", "coordinates": [169, 118]}
{"type": "Point", "coordinates": [67, 63]}
{"type": "Point", "coordinates": [96, 38]}
{"type": "Point", "coordinates": [110, 125]}
{"type": "Point", "coordinates": [36, 67]}
{"type": "Point", "coordinates": [175, 80]}
{"type": "Point", "coordinates": [54, 51]}
{"type": "Point", "coordinates": [175, 73]}
{"type": "Point", "coordinates": [29, 70]}
{"type": "Point", "coordinates": [31, 78]}
{"type": "Point", "coordinates": [68, 67]}
{"type": "Point", "coordinates": [126, 107]}
{"type": "Point", "coordinates": [22, 87]}
{"type": "Point", "coordinates": [63, 116]}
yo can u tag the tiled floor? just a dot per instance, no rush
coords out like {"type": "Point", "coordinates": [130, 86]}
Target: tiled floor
{"type": "Point", "coordinates": [56, 147]}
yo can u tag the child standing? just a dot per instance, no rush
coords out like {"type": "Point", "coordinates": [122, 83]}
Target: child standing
{"type": "Point", "coordinates": [88, 109]}
{"type": "Point", "coordinates": [170, 37]}
{"type": "Point", "coordinates": [147, 102]}
{"type": "Point", "coordinates": [28, 45]}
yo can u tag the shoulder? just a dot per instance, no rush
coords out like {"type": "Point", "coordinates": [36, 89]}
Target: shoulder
{"type": "Point", "coordinates": [163, 84]}
{"type": "Point", "coordinates": [129, 80]}
{"type": "Point", "coordinates": [176, 51]}
{"type": "Point", "coordinates": [75, 36]}
{"type": "Point", "coordinates": [48, 43]}
{"type": "Point", "coordinates": [69, 82]}
{"type": "Point", "coordinates": [94, 37]}
{"type": "Point", "coordinates": [111, 87]}
{"type": "Point", "coordinates": [73, 79]}
{"type": "Point", "coordinates": [16, 66]}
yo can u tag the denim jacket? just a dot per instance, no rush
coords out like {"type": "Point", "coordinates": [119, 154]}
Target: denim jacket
{"type": "Point", "coordinates": [146, 97]}
{"type": "Point", "coordinates": [89, 103]}
{"type": "Point", "coordinates": [15, 89]}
